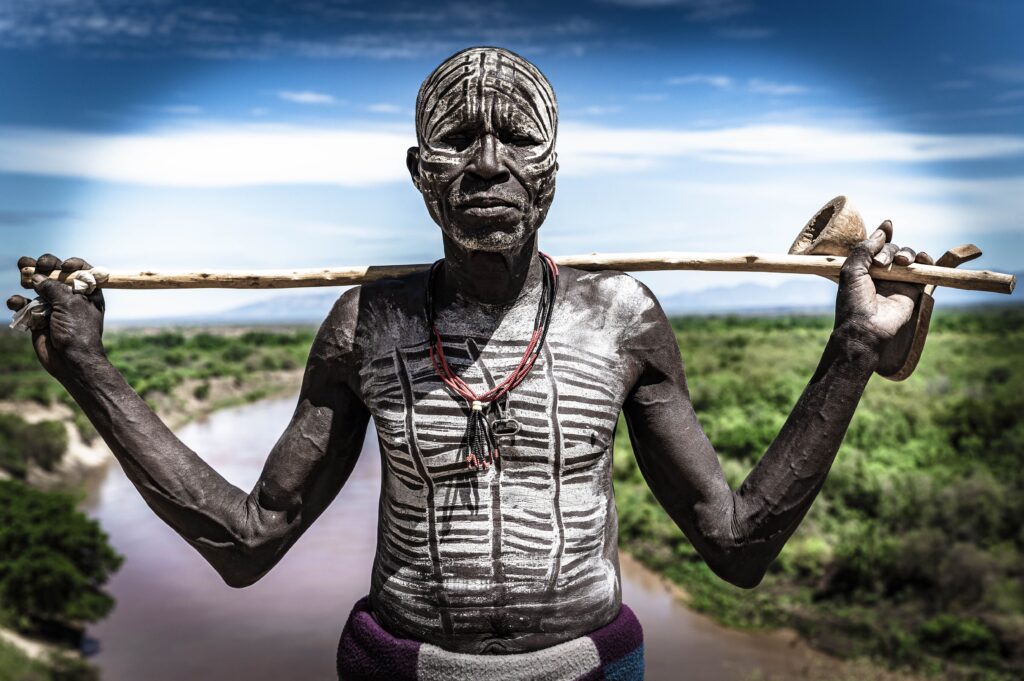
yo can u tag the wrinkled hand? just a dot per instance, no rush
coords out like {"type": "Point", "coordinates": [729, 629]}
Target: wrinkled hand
{"type": "Point", "coordinates": [74, 329]}
{"type": "Point", "coordinates": [877, 312]}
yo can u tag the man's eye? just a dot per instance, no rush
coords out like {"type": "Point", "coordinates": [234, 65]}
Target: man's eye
{"type": "Point", "coordinates": [518, 139]}
{"type": "Point", "coordinates": [457, 141]}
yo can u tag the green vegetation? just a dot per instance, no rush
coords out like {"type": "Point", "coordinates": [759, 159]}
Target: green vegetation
{"type": "Point", "coordinates": [54, 560]}
{"type": "Point", "coordinates": [914, 551]}
{"type": "Point", "coordinates": [16, 666]}
{"type": "Point", "coordinates": [156, 363]}
{"type": "Point", "coordinates": [21, 443]}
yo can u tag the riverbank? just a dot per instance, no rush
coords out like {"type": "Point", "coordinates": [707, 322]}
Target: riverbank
{"type": "Point", "coordinates": [176, 619]}
{"type": "Point", "coordinates": [911, 555]}
{"type": "Point", "coordinates": [189, 374]}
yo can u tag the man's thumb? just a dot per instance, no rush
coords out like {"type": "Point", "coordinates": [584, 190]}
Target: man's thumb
{"type": "Point", "coordinates": [51, 290]}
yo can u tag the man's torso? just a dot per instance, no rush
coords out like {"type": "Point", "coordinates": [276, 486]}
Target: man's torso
{"type": "Point", "coordinates": [522, 555]}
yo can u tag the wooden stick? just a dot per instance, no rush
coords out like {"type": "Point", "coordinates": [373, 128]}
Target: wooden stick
{"type": "Point", "coordinates": [826, 265]}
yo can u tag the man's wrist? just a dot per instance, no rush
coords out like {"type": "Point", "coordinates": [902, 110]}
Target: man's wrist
{"type": "Point", "coordinates": [82, 361]}
{"type": "Point", "coordinates": [857, 345]}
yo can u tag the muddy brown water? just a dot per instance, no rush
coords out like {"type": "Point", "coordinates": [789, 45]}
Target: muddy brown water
{"type": "Point", "coordinates": [175, 619]}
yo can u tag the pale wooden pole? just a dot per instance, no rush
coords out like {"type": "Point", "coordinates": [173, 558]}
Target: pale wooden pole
{"type": "Point", "coordinates": [825, 265]}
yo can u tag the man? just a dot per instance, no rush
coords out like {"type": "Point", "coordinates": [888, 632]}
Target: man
{"type": "Point", "coordinates": [495, 382]}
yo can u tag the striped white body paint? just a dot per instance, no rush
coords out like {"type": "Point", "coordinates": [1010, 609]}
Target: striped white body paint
{"type": "Point", "coordinates": [529, 546]}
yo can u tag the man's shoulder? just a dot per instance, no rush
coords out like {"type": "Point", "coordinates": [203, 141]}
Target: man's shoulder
{"type": "Point", "coordinates": [622, 306]}
{"type": "Point", "coordinates": [393, 294]}
{"type": "Point", "coordinates": [373, 307]}
{"type": "Point", "coordinates": [610, 290]}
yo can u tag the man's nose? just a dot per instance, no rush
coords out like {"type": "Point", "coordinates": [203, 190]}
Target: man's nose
{"type": "Point", "coordinates": [485, 163]}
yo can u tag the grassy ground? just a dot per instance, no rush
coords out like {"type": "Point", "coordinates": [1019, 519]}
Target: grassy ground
{"type": "Point", "coordinates": [16, 666]}
{"type": "Point", "coordinates": [913, 553]}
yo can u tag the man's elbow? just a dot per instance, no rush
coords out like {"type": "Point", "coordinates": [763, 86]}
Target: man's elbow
{"type": "Point", "coordinates": [238, 564]}
{"type": "Point", "coordinates": [740, 570]}
{"type": "Point", "coordinates": [239, 579]}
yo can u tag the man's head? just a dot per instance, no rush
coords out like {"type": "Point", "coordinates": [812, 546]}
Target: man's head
{"type": "Point", "coordinates": [486, 121]}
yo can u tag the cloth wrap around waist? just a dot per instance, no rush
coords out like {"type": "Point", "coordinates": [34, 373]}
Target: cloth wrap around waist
{"type": "Point", "coordinates": [367, 652]}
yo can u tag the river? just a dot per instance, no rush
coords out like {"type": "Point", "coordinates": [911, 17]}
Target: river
{"type": "Point", "coordinates": [175, 619]}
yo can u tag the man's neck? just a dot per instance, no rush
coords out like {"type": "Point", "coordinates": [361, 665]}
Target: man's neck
{"type": "Point", "coordinates": [490, 278]}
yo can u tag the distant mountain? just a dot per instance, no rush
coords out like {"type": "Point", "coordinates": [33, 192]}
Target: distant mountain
{"type": "Point", "coordinates": [804, 294]}
{"type": "Point", "coordinates": [309, 307]}
{"type": "Point", "coordinates": [807, 294]}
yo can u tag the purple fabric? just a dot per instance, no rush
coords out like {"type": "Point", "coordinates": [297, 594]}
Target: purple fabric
{"type": "Point", "coordinates": [618, 638]}
{"type": "Point", "coordinates": [367, 652]}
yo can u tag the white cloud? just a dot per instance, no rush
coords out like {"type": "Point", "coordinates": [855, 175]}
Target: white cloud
{"type": "Point", "coordinates": [598, 110]}
{"type": "Point", "coordinates": [385, 108]}
{"type": "Point", "coordinates": [305, 97]}
{"type": "Point", "coordinates": [214, 157]}
{"type": "Point", "coordinates": [715, 81]}
{"type": "Point", "coordinates": [756, 86]}
{"type": "Point", "coordinates": [784, 144]}
{"type": "Point", "coordinates": [242, 155]}
{"type": "Point", "coordinates": [767, 87]}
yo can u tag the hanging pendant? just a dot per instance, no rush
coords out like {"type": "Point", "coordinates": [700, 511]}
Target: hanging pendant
{"type": "Point", "coordinates": [504, 426]}
{"type": "Point", "coordinates": [480, 452]}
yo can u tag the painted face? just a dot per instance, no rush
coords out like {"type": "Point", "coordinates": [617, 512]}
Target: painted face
{"type": "Point", "coordinates": [486, 121]}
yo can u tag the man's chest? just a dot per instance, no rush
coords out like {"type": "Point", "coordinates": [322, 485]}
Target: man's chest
{"type": "Point", "coordinates": [563, 413]}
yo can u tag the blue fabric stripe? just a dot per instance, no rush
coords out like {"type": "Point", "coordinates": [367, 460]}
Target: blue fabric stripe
{"type": "Point", "coordinates": [627, 668]}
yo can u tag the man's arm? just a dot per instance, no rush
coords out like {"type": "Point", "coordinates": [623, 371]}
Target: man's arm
{"type": "Point", "coordinates": [739, 533]}
{"type": "Point", "coordinates": [242, 535]}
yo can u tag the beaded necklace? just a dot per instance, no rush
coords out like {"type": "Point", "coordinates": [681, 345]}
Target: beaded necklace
{"type": "Point", "coordinates": [480, 444]}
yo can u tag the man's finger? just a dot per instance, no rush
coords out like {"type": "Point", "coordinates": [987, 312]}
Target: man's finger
{"type": "Point", "coordinates": [23, 262]}
{"type": "Point", "coordinates": [15, 303]}
{"type": "Point", "coordinates": [885, 256]}
{"type": "Point", "coordinates": [51, 290]}
{"type": "Point", "coordinates": [924, 259]}
{"type": "Point", "coordinates": [886, 227]}
{"type": "Point", "coordinates": [905, 256]}
{"type": "Point", "coordinates": [96, 298]}
{"type": "Point", "coordinates": [858, 262]}
{"type": "Point", "coordinates": [75, 264]}
{"type": "Point", "coordinates": [47, 263]}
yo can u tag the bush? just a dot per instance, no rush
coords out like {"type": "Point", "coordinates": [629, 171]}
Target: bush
{"type": "Point", "coordinates": [54, 560]}
{"type": "Point", "coordinates": [42, 443]}
{"type": "Point", "coordinates": [913, 550]}
{"type": "Point", "coordinates": [959, 637]}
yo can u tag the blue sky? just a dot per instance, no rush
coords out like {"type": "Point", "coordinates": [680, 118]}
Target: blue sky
{"type": "Point", "coordinates": [157, 134]}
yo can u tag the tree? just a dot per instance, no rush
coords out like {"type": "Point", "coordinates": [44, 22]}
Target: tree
{"type": "Point", "coordinates": [54, 560]}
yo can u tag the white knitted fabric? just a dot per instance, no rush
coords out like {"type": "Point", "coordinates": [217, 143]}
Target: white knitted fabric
{"type": "Point", "coordinates": [564, 662]}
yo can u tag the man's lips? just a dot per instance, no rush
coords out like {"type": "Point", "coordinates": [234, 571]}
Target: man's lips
{"type": "Point", "coordinates": [486, 202]}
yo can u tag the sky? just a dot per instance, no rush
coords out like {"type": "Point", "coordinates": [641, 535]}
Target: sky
{"type": "Point", "coordinates": [150, 134]}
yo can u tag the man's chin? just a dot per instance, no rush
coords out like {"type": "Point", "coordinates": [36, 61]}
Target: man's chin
{"type": "Point", "coordinates": [491, 237]}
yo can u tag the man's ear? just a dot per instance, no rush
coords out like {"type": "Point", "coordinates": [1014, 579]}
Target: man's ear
{"type": "Point", "coordinates": [412, 162]}
{"type": "Point", "coordinates": [556, 160]}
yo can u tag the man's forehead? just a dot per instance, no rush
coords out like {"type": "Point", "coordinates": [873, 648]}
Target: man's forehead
{"type": "Point", "coordinates": [513, 88]}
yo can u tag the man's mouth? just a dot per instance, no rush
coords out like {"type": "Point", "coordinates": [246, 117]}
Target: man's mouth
{"type": "Point", "coordinates": [486, 202]}
{"type": "Point", "coordinates": [487, 206]}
